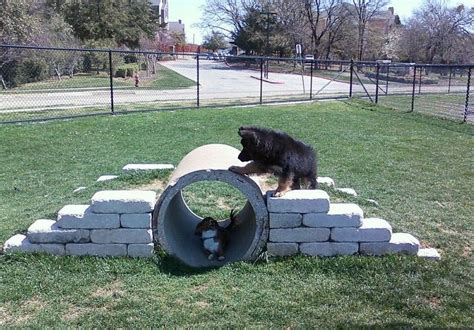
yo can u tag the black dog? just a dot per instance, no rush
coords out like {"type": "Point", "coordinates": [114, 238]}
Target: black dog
{"type": "Point", "coordinates": [276, 152]}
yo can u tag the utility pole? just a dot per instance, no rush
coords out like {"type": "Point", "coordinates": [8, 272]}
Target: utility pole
{"type": "Point", "coordinates": [267, 30]}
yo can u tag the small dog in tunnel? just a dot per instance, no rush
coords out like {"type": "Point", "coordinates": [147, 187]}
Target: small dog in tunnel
{"type": "Point", "coordinates": [269, 151]}
{"type": "Point", "coordinates": [214, 237]}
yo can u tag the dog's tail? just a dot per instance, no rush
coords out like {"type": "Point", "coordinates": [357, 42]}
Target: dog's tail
{"type": "Point", "coordinates": [233, 220]}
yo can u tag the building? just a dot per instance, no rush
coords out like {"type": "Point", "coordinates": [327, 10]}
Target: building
{"type": "Point", "coordinates": [161, 7]}
{"type": "Point", "coordinates": [177, 28]}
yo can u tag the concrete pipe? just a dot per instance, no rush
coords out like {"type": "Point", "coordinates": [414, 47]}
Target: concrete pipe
{"type": "Point", "coordinates": [174, 223]}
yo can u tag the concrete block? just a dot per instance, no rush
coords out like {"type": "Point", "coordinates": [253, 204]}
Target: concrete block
{"type": "Point", "coordinates": [299, 235]}
{"type": "Point", "coordinates": [339, 215]}
{"type": "Point", "coordinates": [47, 231]}
{"type": "Point", "coordinates": [123, 201]}
{"type": "Point", "coordinates": [399, 243]}
{"type": "Point", "coordinates": [325, 180]}
{"type": "Point", "coordinates": [285, 220]}
{"type": "Point", "coordinates": [429, 253]}
{"type": "Point", "coordinates": [372, 230]}
{"type": "Point", "coordinates": [299, 201]}
{"type": "Point", "coordinates": [147, 167]}
{"type": "Point", "coordinates": [328, 249]}
{"type": "Point", "coordinates": [121, 235]}
{"type": "Point", "coordinates": [107, 178]}
{"type": "Point", "coordinates": [348, 191]}
{"type": "Point", "coordinates": [99, 250]}
{"type": "Point", "coordinates": [140, 250]}
{"type": "Point", "coordinates": [81, 217]}
{"type": "Point", "coordinates": [20, 243]}
{"type": "Point", "coordinates": [282, 249]}
{"type": "Point", "coordinates": [135, 220]}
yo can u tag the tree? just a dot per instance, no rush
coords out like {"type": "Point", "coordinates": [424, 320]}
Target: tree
{"type": "Point", "coordinates": [324, 17]}
{"type": "Point", "coordinates": [439, 34]}
{"type": "Point", "coordinates": [124, 21]}
{"type": "Point", "coordinates": [363, 11]}
{"type": "Point", "coordinates": [214, 41]}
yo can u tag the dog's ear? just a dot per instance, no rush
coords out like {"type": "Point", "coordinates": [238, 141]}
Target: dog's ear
{"type": "Point", "coordinates": [247, 132]}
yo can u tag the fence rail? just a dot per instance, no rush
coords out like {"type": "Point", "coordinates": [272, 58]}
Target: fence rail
{"type": "Point", "coordinates": [41, 83]}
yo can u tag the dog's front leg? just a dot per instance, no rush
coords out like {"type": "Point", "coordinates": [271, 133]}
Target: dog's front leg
{"type": "Point", "coordinates": [250, 168]}
{"type": "Point", "coordinates": [284, 185]}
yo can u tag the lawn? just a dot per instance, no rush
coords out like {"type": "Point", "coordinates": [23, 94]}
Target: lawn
{"type": "Point", "coordinates": [419, 169]}
{"type": "Point", "coordinates": [162, 80]}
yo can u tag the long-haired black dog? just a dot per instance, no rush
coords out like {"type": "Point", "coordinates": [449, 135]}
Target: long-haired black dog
{"type": "Point", "coordinates": [269, 151]}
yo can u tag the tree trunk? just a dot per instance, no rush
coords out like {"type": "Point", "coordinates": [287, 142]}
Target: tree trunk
{"type": "Point", "coordinates": [4, 85]}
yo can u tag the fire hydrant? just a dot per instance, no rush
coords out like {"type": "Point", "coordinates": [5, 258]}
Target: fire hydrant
{"type": "Point", "coordinates": [137, 79]}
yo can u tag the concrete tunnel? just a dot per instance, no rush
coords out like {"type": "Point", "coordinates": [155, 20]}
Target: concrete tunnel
{"type": "Point", "coordinates": [174, 222]}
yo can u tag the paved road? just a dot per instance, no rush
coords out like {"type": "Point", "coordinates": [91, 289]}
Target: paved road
{"type": "Point", "coordinates": [218, 83]}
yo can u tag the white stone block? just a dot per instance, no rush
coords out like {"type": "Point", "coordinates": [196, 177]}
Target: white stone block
{"type": "Point", "coordinates": [298, 235]}
{"type": "Point", "coordinates": [47, 231]}
{"type": "Point", "coordinates": [299, 201]}
{"type": "Point", "coordinates": [429, 253]}
{"type": "Point", "coordinates": [325, 180]}
{"type": "Point", "coordinates": [99, 250]}
{"type": "Point", "coordinates": [121, 235]}
{"type": "Point", "coordinates": [107, 178]}
{"type": "Point", "coordinates": [399, 243]}
{"type": "Point", "coordinates": [82, 217]}
{"type": "Point", "coordinates": [285, 220]}
{"type": "Point", "coordinates": [372, 230]}
{"type": "Point", "coordinates": [347, 191]}
{"type": "Point", "coordinates": [135, 220]}
{"type": "Point", "coordinates": [282, 249]}
{"type": "Point", "coordinates": [140, 250]}
{"type": "Point", "coordinates": [123, 201]}
{"type": "Point", "coordinates": [20, 243]}
{"type": "Point", "coordinates": [328, 249]}
{"type": "Point", "coordinates": [147, 167]}
{"type": "Point", "coordinates": [339, 215]}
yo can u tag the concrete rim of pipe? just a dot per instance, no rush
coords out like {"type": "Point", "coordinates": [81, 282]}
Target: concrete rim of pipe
{"type": "Point", "coordinates": [173, 222]}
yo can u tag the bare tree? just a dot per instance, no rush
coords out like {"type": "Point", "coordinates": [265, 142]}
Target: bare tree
{"type": "Point", "coordinates": [363, 11]}
{"type": "Point", "coordinates": [324, 17]}
{"type": "Point", "coordinates": [439, 34]}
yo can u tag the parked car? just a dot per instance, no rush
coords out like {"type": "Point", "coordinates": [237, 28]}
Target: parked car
{"type": "Point", "coordinates": [309, 57]}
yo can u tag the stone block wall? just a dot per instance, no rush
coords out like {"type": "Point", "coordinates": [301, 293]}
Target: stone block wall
{"type": "Point", "coordinates": [116, 223]}
{"type": "Point", "coordinates": [304, 221]}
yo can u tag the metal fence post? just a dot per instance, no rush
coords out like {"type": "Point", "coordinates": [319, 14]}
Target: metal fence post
{"type": "Point", "coordinates": [311, 83]}
{"type": "Point", "coordinates": [111, 83]}
{"type": "Point", "coordinates": [261, 80]}
{"type": "Point", "coordinates": [377, 84]}
{"type": "Point", "coordinates": [466, 108]}
{"type": "Point", "coordinates": [386, 82]}
{"type": "Point", "coordinates": [449, 80]}
{"type": "Point", "coordinates": [413, 90]}
{"type": "Point", "coordinates": [197, 76]}
{"type": "Point", "coordinates": [350, 83]}
{"type": "Point", "coordinates": [419, 82]}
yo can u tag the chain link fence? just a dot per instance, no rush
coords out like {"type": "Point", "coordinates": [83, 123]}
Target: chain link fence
{"type": "Point", "coordinates": [41, 83]}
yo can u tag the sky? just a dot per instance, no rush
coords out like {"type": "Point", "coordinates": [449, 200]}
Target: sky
{"type": "Point", "coordinates": [189, 11]}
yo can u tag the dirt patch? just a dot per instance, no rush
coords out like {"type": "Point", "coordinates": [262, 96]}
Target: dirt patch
{"type": "Point", "coordinates": [28, 310]}
{"type": "Point", "coordinates": [202, 304]}
{"type": "Point", "coordinates": [157, 185]}
{"type": "Point", "coordinates": [466, 251]}
{"type": "Point", "coordinates": [112, 290]}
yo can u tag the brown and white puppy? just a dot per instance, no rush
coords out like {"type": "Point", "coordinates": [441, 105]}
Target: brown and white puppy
{"type": "Point", "coordinates": [214, 237]}
{"type": "Point", "coordinates": [269, 151]}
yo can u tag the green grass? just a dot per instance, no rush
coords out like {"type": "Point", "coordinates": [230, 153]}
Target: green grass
{"type": "Point", "coordinates": [419, 169]}
{"type": "Point", "coordinates": [163, 80]}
